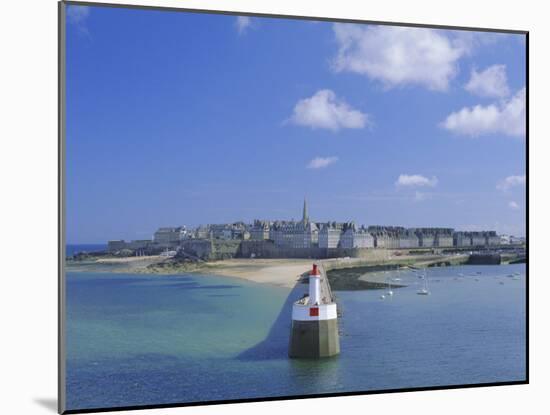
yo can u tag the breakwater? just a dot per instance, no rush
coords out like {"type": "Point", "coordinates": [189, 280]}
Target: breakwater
{"type": "Point", "coordinates": [484, 259]}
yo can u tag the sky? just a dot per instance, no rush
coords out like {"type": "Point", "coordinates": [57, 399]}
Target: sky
{"type": "Point", "coordinates": [178, 118]}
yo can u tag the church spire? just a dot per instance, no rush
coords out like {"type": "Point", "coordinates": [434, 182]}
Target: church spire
{"type": "Point", "coordinates": [305, 217]}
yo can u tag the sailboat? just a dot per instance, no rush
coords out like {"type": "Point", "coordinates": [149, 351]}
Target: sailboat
{"type": "Point", "coordinates": [424, 290]}
{"type": "Point", "coordinates": [390, 292]}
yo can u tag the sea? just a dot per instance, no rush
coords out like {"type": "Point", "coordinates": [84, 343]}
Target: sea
{"type": "Point", "coordinates": [147, 340]}
{"type": "Point", "coordinates": [72, 249]}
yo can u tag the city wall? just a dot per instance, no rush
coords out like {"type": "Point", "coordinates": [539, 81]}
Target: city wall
{"type": "Point", "coordinates": [267, 249]}
{"type": "Point", "coordinates": [211, 249]}
{"type": "Point", "coordinates": [218, 249]}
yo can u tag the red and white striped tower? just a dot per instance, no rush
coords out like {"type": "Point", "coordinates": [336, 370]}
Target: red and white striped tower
{"type": "Point", "coordinates": [314, 286]}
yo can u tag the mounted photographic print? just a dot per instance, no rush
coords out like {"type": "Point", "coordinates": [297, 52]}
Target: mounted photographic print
{"type": "Point", "coordinates": [260, 207]}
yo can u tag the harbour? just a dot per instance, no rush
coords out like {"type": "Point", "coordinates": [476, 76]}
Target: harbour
{"type": "Point", "coordinates": [137, 338]}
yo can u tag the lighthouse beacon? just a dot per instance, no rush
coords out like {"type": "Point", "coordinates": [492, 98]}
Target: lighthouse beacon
{"type": "Point", "coordinates": [314, 331]}
{"type": "Point", "coordinates": [315, 286]}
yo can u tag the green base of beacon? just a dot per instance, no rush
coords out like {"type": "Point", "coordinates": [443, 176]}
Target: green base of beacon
{"type": "Point", "coordinates": [314, 339]}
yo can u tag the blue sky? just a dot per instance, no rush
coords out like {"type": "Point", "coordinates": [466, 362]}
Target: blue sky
{"type": "Point", "coordinates": [180, 118]}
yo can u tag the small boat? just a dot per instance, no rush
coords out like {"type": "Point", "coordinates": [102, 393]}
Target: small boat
{"type": "Point", "coordinates": [501, 282]}
{"type": "Point", "coordinates": [382, 297]}
{"type": "Point", "coordinates": [424, 290]}
{"type": "Point", "coordinates": [478, 273]}
{"type": "Point", "coordinates": [390, 292]}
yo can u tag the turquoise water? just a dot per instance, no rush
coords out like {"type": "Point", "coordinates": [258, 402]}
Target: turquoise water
{"type": "Point", "coordinates": [142, 340]}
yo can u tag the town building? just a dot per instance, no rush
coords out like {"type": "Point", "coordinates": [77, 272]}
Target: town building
{"type": "Point", "coordinates": [462, 239]}
{"type": "Point", "coordinates": [408, 239]}
{"type": "Point", "coordinates": [228, 231]}
{"type": "Point", "coordinates": [426, 237]}
{"type": "Point", "coordinates": [491, 238]}
{"type": "Point", "coordinates": [202, 232]}
{"type": "Point", "coordinates": [515, 240]}
{"type": "Point", "coordinates": [169, 237]}
{"type": "Point", "coordinates": [330, 234]}
{"type": "Point", "coordinates": [260, 230]}
{"type": "Point", "coordinates": [282, 233]}
{"type": "Point", "coordinates": [444, 237]}
{"type": "Point", "coordinates": [386, 236]}
{"type": "Point", "coordinates": [292, 234]}
{"type": "Point", "coordinates": [306, 234]}
{"type": "Point", "coordinates": [478, 238]}
{"type": "Point", "coordinates": [356, 238]}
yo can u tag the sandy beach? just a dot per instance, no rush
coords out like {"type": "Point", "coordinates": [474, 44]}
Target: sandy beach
{"type": "Point", "coordinates": [130, 259]}
{"type": "Point", "coordinates": [280, 272]}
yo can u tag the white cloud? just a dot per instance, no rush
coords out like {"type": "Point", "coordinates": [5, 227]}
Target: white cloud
{"type": "Point", "coordinates": [415, 180]}
{"type": "Point", "coordinates": [511, 181]}
{"type": "Point", "coordinates": [513, 205]}
{"type": "Point", "coordinates": [469, 41]}
{"type": "Point", "coordinates": [507, 117]}
{"type": "Point", "coordinates": [325, 110]}
{"type": "Point", "coordinates": [77, 14]}
{"type": "Point", "coordinates": [321, 162]}
{"type": "Point", "coordinates": [398, 56]}
{"type": "Point", "coordinates": [492, 82]}
{"type": "Point", "coordinates": [243, 23]}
